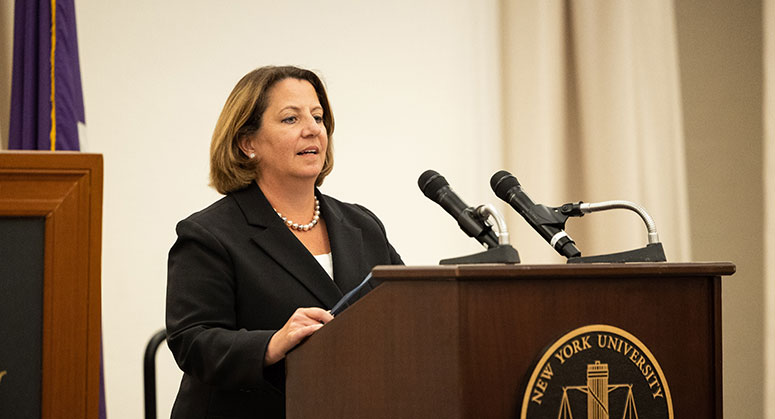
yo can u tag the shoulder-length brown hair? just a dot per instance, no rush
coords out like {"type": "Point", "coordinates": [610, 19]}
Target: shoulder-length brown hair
{"type": "Point", "coordinates": [230, 168]}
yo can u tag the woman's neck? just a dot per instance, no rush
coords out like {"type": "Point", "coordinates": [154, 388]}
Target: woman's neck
{"type": "Point", "coordinates": [295, 200]}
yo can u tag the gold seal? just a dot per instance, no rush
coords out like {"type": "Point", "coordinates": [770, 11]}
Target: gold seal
{"type": "Point", "coordinates": [601, 370]}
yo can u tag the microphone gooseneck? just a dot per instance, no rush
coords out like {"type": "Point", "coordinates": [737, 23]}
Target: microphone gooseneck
{"type": "Point", "coordinates": [578, 209]}
{"type": "Point", "coordinates": [437, 189]}
{"type": "Point", "coordinates": [488, 211]}
{"type": "Point", "coordinates": [548, 222]}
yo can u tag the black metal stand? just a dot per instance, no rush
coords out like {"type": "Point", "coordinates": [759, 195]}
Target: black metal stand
{"type": "Point", "coordinates": [149, 373]}
{"type": "Point", "coordinates": [651, 253]}
{"type": "Point", "coordinates": [504, 253]}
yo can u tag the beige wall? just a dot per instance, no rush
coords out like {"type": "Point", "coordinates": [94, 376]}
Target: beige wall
{"type": "Point", "coordinates": [769, 196]}
{"type": "Point", "coordinates": [412, 85]}
{"type": "Point", "coordinates": [720, 50]}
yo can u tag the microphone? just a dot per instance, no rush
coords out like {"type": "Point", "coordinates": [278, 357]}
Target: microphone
{"type": "Point", "coordinates": [547, 222]}
{"type": "Point", "coordinates": [436, 188]}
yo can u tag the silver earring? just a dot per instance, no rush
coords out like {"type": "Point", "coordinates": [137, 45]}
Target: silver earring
{"type": "Point", "coordinates": [252, 155]}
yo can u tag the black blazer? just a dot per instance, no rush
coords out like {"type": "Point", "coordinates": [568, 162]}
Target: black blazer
{"type": "Point", "coordinates": [235, 276]}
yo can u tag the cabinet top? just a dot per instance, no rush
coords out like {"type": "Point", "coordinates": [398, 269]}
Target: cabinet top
{"type": "Point", "coordinates": [14, 160]}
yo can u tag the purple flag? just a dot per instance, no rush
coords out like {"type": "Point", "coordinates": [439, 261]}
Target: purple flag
{"type": "Point", "coordinates": [46, 98]}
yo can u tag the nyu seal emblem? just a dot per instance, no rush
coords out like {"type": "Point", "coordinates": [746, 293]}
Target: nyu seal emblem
{"type": "Point", "coordinates": [597, 371]}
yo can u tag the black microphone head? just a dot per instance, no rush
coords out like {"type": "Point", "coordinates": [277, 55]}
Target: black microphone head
{"type": "Point", "coordinates": [430, 183]}
{"type": "Point", "coordinates": [501, 183]}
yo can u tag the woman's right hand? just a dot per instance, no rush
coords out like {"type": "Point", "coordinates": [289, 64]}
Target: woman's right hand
{"type": "Point", "coordinates": [302, 323]}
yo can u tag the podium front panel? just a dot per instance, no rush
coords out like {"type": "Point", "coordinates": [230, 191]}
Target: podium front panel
{"type": "Point", "coordinates": [461, 341]}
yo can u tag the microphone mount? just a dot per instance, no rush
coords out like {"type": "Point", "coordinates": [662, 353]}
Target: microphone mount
{"type": "Point", "coordinates": [486, 211]}
{"type": "Point", "coordinates": [580, 208]}
{"type": "Point", "coordinates": [502, 253]}
{"type": "Point", "coordinates": [653, 252]}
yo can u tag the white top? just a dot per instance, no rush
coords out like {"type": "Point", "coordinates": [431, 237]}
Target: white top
{"type": "Point", "coordinates": [327, 262]}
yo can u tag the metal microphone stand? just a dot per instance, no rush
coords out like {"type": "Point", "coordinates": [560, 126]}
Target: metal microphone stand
{"type": "Point", "coordinates": [502, 253]}
{"type": "Point", "coordinates": [653, 252]}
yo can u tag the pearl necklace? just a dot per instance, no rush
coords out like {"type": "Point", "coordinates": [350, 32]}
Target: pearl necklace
{"type": "Point", "coordinates": [302, 227]}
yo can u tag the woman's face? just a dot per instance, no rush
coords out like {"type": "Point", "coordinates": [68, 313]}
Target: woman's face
{"type": "Point", "coordinates": [292, 140]}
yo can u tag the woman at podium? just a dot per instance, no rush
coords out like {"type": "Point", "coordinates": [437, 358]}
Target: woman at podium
{"type": "Point", "coordinates": [255, 273]}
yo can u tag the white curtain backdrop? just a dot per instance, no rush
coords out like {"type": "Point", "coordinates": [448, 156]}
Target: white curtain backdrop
{"type": "Point", "coordinates": [592, 112]}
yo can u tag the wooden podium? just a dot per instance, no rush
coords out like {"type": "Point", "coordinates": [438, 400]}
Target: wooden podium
{"type": "Point", "coordinates": [461, 341]}
{"type": "Point", "coordinates": [51, 230]}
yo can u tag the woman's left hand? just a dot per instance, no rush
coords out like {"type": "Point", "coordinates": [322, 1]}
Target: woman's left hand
{"type": "Point", "coordinates": [302, 323]}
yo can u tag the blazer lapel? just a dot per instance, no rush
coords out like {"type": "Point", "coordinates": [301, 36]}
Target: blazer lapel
{"type": "Point", "coordinates": [274, 238]}
{"type": "Point", "coordinates": [346, 246]}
